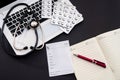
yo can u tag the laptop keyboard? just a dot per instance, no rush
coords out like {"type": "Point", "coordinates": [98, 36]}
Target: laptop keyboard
{"type": "Point", "coordinates": [17, 18]}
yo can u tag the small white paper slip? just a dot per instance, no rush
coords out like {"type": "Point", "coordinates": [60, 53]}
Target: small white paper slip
{"type": "Point", "coordinates": [59, 58]}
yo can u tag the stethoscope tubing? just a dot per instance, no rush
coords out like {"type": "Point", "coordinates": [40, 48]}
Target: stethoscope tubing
{"type": "Point", "coordinates": [35, 31]}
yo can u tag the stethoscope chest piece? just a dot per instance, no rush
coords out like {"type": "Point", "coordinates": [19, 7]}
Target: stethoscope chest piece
{"type": "Point", "coordinates": [34, 24]}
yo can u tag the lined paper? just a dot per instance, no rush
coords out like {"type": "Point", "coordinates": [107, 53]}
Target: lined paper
{"type": "Point", "coordinates": [59, 58]}
{"type": "Point", "coordinates": [110, 44]}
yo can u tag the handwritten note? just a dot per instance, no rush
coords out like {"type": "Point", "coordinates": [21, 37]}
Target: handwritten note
{"type": "Point", "coordinates": [59, 58]}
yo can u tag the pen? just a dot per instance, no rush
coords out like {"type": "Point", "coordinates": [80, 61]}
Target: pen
{"type": "Point", "coordinates": [99, 63]}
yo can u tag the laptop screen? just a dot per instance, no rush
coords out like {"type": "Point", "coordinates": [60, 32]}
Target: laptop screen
{"type": "Point", "coordinates": [5, 2]}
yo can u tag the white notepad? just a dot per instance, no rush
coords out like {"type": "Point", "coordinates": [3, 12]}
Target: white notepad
{"type": "Point", "coordinates": [105, 48]}
{"type": "Point", "coordinates": [59, 58]}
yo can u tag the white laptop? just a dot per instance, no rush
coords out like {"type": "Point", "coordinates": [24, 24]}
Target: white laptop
{"type": "Point", "coordinates": [27, 37]}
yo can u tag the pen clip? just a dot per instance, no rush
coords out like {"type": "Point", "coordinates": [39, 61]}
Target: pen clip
{"type": "Point", "coordinates": [99, 63]}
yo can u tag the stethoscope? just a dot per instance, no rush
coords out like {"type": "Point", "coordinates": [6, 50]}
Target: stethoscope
{"type": "Point", "coordinates": [33, 25]}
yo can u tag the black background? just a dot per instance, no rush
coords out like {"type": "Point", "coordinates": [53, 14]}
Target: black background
{"type": "Point", "coordinates": [99, 16]}
{"type": "Point", "coordinates": [5, 2]}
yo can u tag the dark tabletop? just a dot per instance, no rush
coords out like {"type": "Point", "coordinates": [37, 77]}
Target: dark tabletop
{"type": "Point", "coordinates": [99, 16]}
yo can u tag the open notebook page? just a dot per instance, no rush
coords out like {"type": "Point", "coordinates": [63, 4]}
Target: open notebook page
{"type": "Point", "coordinates": [110, 44]}
{"type": "Point", "coordinates": [88, 71]}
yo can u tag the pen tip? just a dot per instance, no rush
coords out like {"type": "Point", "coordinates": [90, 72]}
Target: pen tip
{"type": "Point", "coordinates": [75, 54]}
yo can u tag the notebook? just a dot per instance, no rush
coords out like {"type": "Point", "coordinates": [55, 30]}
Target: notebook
{"type": "Point", "coordinates": [104, 47]}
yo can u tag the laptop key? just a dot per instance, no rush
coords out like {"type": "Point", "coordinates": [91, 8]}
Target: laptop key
{"type": "Point", "coordinates": [18, 19]}
{"type": "Point", "coordinates": [18, 32]}
{"type": "Point", "coordinates": [14, 21]}
{"type": "Point", "coordinates": [10, 19]}
{"type": "Point", "coordinates": [9, 24]}
{"type": "Point", "coordinates": [12, 27]}
{"type": "Point", "coordinates": [18, 15]}
{"type": "Point", "coordinates": [12, 31]}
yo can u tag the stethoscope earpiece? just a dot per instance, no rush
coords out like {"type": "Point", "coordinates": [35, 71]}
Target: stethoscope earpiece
{"type": "Point", "coordinates": [25, 48]}
{"type": "Point", "coordinates": [31, 47]}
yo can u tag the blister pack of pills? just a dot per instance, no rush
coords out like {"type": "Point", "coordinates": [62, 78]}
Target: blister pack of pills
{"type": "Point", "coordinates": [47, 6]}
{"type": "Point", "coordinates": [66, 16]}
